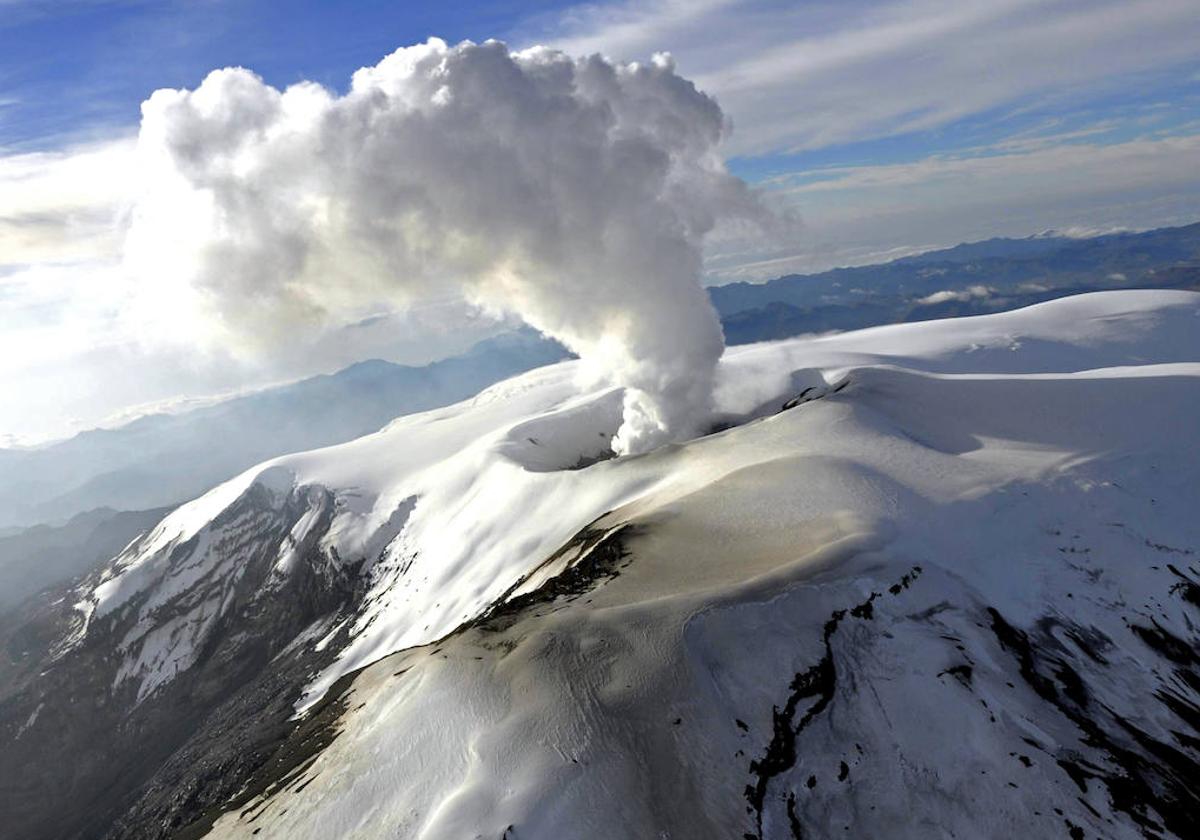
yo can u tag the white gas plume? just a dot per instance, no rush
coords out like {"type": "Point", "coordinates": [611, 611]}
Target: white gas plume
{"type": "Point", "coordinates": [574, 193]}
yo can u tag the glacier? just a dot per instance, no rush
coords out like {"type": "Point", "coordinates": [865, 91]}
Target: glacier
{"type": "Point", "coordinates": [932, 579]}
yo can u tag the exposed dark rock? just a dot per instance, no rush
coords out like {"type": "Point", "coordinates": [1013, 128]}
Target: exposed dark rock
{"type": "Point", "coordinates": [817, 683]}
{"type": "Point", "coordinates": [1156, 784]}
{"type": "Point", "coordinates": [599, 554]}
{"type": "Point", "coordinates": [147, 767]}
{"type": "Point", "coordinates": [960, 672]}
{"type": "Point", "coordinates": [1187, 588]}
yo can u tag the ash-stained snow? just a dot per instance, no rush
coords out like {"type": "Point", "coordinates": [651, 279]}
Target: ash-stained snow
{"type": "Point", "coordinates": [952, 572]}
{"type": "Point", "coordinates": [448, 509]}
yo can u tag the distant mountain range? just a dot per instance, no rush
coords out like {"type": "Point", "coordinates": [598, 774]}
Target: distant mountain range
{"type": "Point", "coordinates": [34, 558]}
{"type": "Point", "coordinates": [167, 459]}
{"type": "Point", "coordinates": [970, 279]}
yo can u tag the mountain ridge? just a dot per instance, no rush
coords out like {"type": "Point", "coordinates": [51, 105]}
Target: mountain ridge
{"type": "Point", "coordinates": [985, 517]}
{"type": "Point", "coordinates": [165, 459]}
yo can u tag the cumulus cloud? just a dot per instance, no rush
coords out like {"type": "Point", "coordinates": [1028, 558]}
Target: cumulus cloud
{"type": "Point", "coordinates": [575, 193]}
{"type": "Point", "coordinates": [977, 292]}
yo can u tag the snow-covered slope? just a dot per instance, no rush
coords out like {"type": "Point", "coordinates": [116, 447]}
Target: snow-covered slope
{"type": "Point", "coordinates": [950, 591]}
{"type": "Point", "coordinates": [163, 459]}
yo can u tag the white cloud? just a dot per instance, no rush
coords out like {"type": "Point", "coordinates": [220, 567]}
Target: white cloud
{"type": "Point", "coordinates": [573, 193]}
{"type": "Point", "coordinates": [77, 362]}
{"type": "Point", "coordinates": [962, 295]}
{"type": "Point", "coordinates": [64, 206]}
{"type": "Point", "coordinates": [864, 214]}
{"type": "Point", "coordinates": [803, 76]}
{"type": "Point", "coordinates": [793, 76]}
{"type": "Point", "coordinates": [799, 76]}
{"type": "Point", "coordinates": [1135, 163]}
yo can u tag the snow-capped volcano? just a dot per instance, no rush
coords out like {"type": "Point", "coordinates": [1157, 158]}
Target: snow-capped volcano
{"type": "Point", "coordinates": [934, 579]}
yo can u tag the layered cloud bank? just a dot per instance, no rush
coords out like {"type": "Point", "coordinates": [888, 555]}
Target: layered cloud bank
{"type": "Point", "coordinates": [574, 193]}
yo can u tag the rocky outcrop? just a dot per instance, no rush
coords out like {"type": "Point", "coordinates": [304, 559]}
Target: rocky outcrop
{"type": "Point", "coordinates": [132, 761]}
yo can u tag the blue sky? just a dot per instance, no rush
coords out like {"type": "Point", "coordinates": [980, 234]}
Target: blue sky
{"type": "Point", "coordinates": [73, 71]}
{"type": "Point", "coordinates": [806, 83]}
{"type": "Point", "coordinates": [889, 127]}
{"type": "Point", "coordinates": [81, 68]}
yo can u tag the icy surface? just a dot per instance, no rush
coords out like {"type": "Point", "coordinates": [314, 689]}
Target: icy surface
{"type": "Point", "coordinates": [1040, 467]}
{"type": "Point", "coordinates": [449, 509]}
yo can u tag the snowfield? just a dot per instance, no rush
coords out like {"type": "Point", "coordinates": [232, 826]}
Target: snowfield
{"type": "Point", "coordinates": [951, 591]}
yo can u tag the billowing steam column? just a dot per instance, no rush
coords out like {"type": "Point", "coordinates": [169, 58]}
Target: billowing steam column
{"type": "Point", "coordinates": [573, 192]}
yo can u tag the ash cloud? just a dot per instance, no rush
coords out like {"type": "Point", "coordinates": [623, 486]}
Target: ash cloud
{"type": "Point", "coordinates": [573, 193]}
